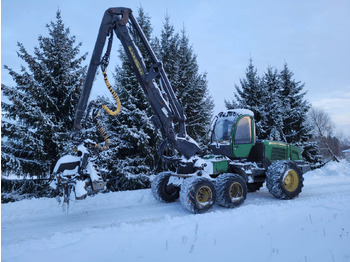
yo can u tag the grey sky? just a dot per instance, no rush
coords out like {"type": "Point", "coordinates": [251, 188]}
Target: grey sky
{"type": "Point", "coordinates": [311, 36]}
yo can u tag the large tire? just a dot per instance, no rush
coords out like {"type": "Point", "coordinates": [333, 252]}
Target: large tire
{"type": "Point", "coordinates": [162, 191]}
{"type": "Point", "coordinates": [197, 194]}
{"type": "Point", "coordinates": [231, 190]}
{"type": "Point", "coordinates": [284, 179]}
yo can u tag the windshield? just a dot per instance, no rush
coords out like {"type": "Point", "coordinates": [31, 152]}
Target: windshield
{"type": "Point", "coordinates": [222, 129]}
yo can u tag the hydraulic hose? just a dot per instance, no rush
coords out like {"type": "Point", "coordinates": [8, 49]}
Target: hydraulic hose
{"type": "Point", "coordinates": [116, 98]}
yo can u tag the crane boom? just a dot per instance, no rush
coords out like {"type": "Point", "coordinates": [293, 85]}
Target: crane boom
{"type": "Point", "coordinates": [161, 97]}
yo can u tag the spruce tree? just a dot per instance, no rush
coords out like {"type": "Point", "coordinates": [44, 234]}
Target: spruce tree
{"type": "Point", "coordinates": [192, 92]}
{"type": "Point", "coordinates": [37, 121]}
{"type": "Point", "coordinates": [278, 104]}
{"type": "Point", "coordinates": [249, 96]}
{"type": "Point", "coordinates": [190, 86]}
{"type": "Point", "coordinates": [271, 106]}
{"type": "Point", "coordinates": [167, 51]}
{"type": "Point", "coordinates": [128, 162]}
{"type": "Point", "coordinates": [295, 108]}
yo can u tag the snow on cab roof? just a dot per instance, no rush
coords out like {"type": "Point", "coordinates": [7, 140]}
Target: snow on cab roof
{"type": "Point", "coordinates": [238, 111]}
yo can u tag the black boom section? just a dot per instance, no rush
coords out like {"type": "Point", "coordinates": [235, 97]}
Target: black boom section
{"type": "Point", "coordinates": [162, 99]}
{"type": "Point", "coordinates": [109, 18]}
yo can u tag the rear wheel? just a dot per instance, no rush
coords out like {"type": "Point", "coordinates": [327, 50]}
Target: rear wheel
{"type": "Point", "coordinates": [231, 190]}
{"type": "Point", "coordinates": [197, 194]}
{"type": "Point", "coordinates": [162, 190]}
{"type": "Point", "coordinates": [284, 179]}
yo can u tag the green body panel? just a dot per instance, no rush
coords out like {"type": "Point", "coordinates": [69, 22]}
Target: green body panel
{"type": "Point", "coordinates": [220, 167]}
{"type": "Point", "coordinates": [241, 151]}
{"type": "Point", "coordinates": [281, 151]}
{"type": "Point", "coordinates": [295, 153]}
{"type": "Point", "coordinates": [219, 164]}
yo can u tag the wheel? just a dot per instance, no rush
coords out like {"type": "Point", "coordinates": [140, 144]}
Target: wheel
{"type": "Point", "coordinates": [253, 187]}
{"type": "Point", "coordinates": [284, 179]}
{"type": "Point", "coordinates": [231, 190]}
{"type": "Point", "coordinates": [197, 194]}
{"type": "Point", "coordinates": [162, 191]}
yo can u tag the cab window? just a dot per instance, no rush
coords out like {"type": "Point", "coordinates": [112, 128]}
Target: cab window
{"type": "Point", "coordinates": [222, 130]}
{"type": "Point", "coordinates": [243, 134]}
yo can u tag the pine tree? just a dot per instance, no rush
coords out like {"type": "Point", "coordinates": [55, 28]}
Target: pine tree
{"type": "Point", "coordinates": [128, 162]}
{"type": "Point", "coordinates": [295, 108]}
{"type": "Point", "coordinates": [167, 51]}
{"type": "Point", "coordinates": [190, 86]}
{"type": "Point", "coordinates": [192, 92]}
{"type": "Point", "coordinates": [271, 106]}
{"type": "Point", "coordinates": [249, 95]}
{"type": "Point", "coordinates": [36, 123]}
{"type": "Point", "coordinates": [278, 104]}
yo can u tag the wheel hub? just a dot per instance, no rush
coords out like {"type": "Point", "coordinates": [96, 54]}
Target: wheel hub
{"type": "Point", "coordinates": [291, 180]}
{"type": "Point", "coordinates": [204, 195]}
{"type": "Point", "coordinates": [236, 191]}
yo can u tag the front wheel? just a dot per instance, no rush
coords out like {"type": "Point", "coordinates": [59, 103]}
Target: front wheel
{"type": "Point", "coordinates": [162, 190]}
{"type": "Point", "coordinates": [197, 194]}
{"type": "Point", "coordinates": [284, 179]}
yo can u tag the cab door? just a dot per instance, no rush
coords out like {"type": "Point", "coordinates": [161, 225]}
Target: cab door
{"type": "Point", "coordinates": [243, 137]}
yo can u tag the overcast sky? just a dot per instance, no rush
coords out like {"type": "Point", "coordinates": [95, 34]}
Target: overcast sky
{"type": "Point", "coordinates": [311, 36]}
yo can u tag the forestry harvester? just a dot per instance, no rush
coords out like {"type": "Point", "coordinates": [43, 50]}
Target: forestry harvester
{"type": "Point", "coordinates": [239, 162]}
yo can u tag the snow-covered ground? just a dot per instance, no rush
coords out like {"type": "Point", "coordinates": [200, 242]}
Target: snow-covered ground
{"type": "Point", "coordinates": [132, 226]}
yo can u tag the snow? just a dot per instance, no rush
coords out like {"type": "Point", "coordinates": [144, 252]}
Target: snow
{"type": "Point", "coordinates": [133, 226]}
{"type": "Point", "coordinates": [67, 159]}
{"type": "Point", "coordinates": [80, 188]}
{"type": "Point", "coordinates": [242, 111]}
{"type": "Point", "coordinates": [92, 172]}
